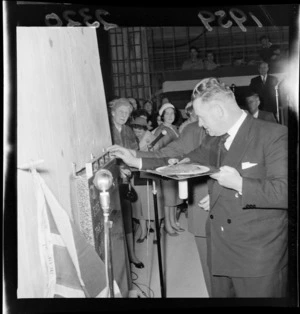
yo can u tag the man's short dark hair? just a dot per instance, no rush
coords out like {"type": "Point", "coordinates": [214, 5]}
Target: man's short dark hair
{"type": "Point", "coordinates": [264, 37]}
{"type": "Point", "coordinates": [275, 47]}
{"type": "Point", "coordinates": [209, 51]}
{"type": "Point", "coordinates": [193, 47]}
{"type": "Point", "coordinates": [262, 62]}
{"type": "Point", "coordinates": [250, 93]}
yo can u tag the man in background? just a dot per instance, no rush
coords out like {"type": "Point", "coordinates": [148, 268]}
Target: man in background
{"type": "Point", "coordinates": [264, 86]}
{"type": "Point", "coordinates": [265, 52]}
{"type": "Point", "coordinates": [252, 103]}
{"type": "Point", "coordinates": [194, 62]}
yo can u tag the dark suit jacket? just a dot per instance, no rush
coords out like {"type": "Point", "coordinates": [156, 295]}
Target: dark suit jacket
{"type": "Point", "coordinates": [245, 241]}
{"type": "Point", "coordinates": [267, 116]}
{"type": "Point", "coordinates": [190, 138]}
{"type": "Point", "coordinates": [266, 92]}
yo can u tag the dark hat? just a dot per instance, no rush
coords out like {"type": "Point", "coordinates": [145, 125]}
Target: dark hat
{"type": "Point", "coordinates": [139, 121]}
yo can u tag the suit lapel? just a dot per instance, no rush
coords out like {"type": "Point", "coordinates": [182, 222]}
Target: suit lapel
{"type": "Point", "coordinates": [236, 152]}
{"type": "Point", "coordinates": [259, 82]}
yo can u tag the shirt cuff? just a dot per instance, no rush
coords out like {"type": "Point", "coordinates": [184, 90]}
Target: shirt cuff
{"type": "Point", "coordinates": [140, 163]}
{"type": "Point", "coordinates": [241, 190]}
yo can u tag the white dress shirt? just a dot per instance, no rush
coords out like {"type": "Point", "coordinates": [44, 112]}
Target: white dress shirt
{"type": "Point", "coordinates": [234, 129]}
{"type": "Point", "coordinates": [256, 114]}
{"type": "Point", "coordinates": [264, 78]}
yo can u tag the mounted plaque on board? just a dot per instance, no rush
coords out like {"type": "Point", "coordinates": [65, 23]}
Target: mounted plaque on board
{"type": "Point", "coordinates": [88, 215]}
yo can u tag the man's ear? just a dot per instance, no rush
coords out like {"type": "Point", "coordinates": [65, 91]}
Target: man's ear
{"type": "Point", "coordinates": [258, 103]}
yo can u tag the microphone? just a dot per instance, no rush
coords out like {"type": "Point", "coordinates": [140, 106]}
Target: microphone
{"type": "Point", "coordinates": [161, 135]}
{"type": "Point", "coordinates": [103, 181]}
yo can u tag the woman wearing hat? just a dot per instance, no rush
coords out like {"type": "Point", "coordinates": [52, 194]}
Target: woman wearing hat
{"type": "Point", "coordinates": [140, 129]}
{"type": "Point", "coordinates": [122, 134]}
{"type": "Point", "coordinates": [169, 187]}
{"type": "Point", "coordinates": [143, 208]}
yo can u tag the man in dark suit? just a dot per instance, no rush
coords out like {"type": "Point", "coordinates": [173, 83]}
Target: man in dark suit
{"type": "Point", "coordinates": [253, 102]}
{"type": "Point", "coordinates": [190, 138]}
{"type": "Point", "coordinates": [247, 198]}
{"type": "Point", "coordinates": [266, 51]}
{"type": "Point", "coordinates": [264, 86]}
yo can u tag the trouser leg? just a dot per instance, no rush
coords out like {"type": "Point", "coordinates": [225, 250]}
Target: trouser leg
{"type": "Point", "coordinates": [271, 286]}
{"type": "Point", "coordinates": [222, 287]}
{"type": "Point", "coordinates": [202, 250]}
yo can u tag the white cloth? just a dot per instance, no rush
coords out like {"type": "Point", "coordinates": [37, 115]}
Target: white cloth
{"type": "Point", "coordinates": [65, 241]}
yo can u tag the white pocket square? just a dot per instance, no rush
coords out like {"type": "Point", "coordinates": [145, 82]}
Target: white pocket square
{"type": "Point", "coordinates": [246, 165]}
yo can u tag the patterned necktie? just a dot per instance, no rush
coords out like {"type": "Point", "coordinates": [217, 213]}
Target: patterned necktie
{"type": "Point", "coordinates": [221, 149]}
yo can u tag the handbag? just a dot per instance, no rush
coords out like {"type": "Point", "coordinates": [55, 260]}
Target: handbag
{"type": "Point", "coordinates": [131, 194]}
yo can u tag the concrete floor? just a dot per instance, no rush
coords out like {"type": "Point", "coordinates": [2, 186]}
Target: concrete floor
{"type": "Point", "coordinates": [181, 266]}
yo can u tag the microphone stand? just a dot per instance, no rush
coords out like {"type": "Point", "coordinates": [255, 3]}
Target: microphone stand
{"type": "Point", "coordinates": [157, 229]}
{"type": "Point", "coordinates": [103, 181]}
{"type": "Point", "coordinates": [108, 251]}
{"type": "Point", "coordinates": [161, 135]}
{"type": "Point", "coordinates": [277, 104]}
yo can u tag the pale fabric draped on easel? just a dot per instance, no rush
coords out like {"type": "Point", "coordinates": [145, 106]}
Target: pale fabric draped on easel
{"type": "Point", "coordinates": [70, 265]}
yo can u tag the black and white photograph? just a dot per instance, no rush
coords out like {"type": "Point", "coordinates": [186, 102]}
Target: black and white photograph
{"type": "Point", "coordinates": [150, 152]}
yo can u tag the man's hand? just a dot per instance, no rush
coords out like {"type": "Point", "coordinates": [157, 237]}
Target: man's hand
{"type": "Point", "coordinates": [204, 203]}
{"type": "Point", "coordinates": [229, 177]}
{"type": "Point", "coordinates": [125, 155]}
{"type": "Point", "coordinates": [173, 161]}
{"type": "Point", "coordinates": [125, 172]}
{"type": "Point", "coordinates": [176, 161]}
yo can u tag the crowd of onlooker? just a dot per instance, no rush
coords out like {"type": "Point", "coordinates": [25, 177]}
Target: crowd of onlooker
{"type": "Point", "coordinates": [139, 126]}
{"type": "Point", "coordinates": [268, 52]}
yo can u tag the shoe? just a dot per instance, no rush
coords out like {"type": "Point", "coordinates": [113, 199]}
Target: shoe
{"type": "Point", "coordinates": [178, 229]}
{"type": "Point", "coordinates": [138, 265]}
{"type": "Point", "coordinates": [151, 230]}
{"type": "Point", "coordinates": [141, 240]}
{"type": "Point", "coordinates": [172, 234]}
{"type": "Point", "coordinates": [182, 208]}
